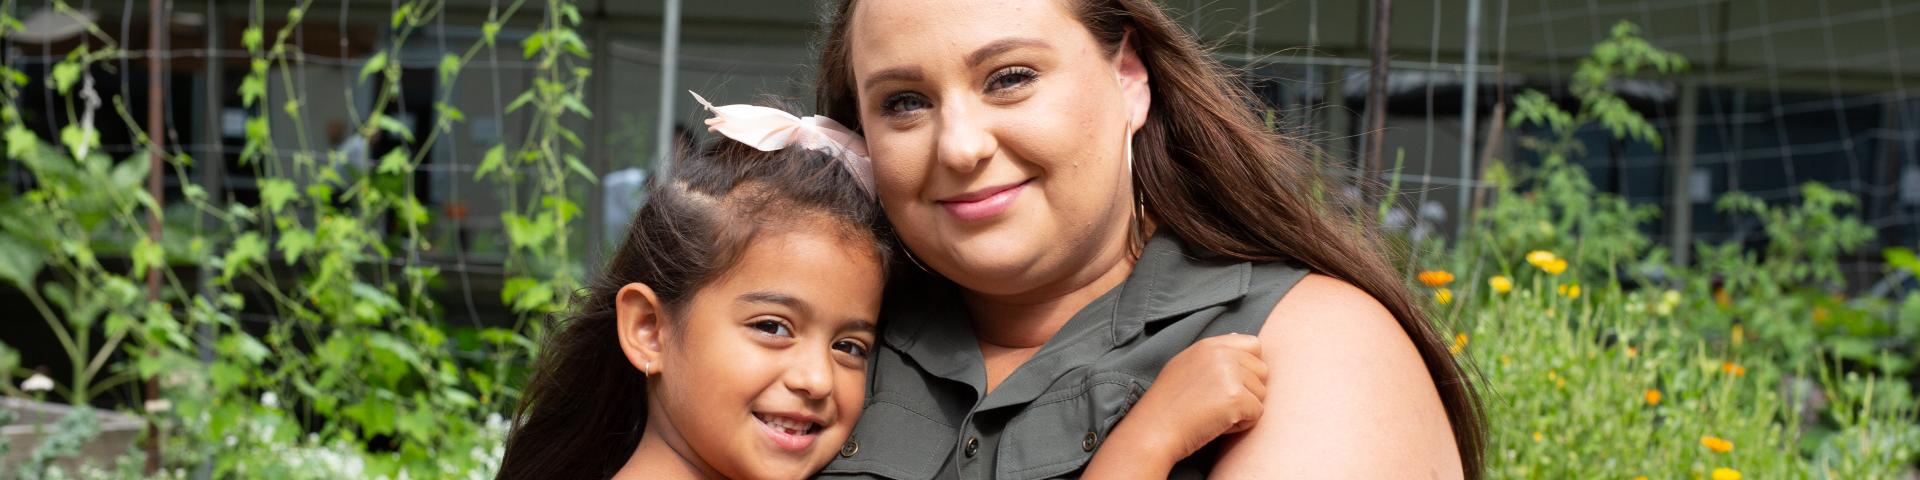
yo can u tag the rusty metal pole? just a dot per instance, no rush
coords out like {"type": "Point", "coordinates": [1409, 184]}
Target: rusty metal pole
{"type": "Point", "coordinates": [156, 136]}
{"type": "Point", "coordinates": [1375, 159]}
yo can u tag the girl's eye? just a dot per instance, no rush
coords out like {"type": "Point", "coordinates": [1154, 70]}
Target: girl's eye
{"type": "Point", "coordinates": [1010, 78]}
{"type": "Point", "coordinates": [771, 327]}
{"type": "Point", "coordinates": [852, 347]}
{"type": "Point", "coordinates": [903, 103]}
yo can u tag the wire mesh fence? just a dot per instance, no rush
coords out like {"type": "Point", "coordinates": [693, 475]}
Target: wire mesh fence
{"type": "Point", "coordinates": [466, 162]}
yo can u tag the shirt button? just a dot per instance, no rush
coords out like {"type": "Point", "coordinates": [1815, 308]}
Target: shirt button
{"type": "Point", "coordinates": [973, 446]}
{"type": "Point", "coordinates": [1087, 443]}
{"type": "Point", "coordinates": [852, 447]}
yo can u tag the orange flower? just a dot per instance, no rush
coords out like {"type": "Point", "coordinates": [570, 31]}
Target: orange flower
{"type": "Point", "coordinates": [1633, 352]}
{"type": "Point", "coordinates": [1459, 343]}
{"type": "Point", "coordinates": [1734, 369]}
{"type": "Point", "coordinates": [1717, 444]}
{"type": "Point", "coordinates": [1436, 278]}
{"type": "Point", "coordinates": [1724, 473]}
{"type": "Point", "coordinates": [1721, 297]}
{"type": "Point", "coordinates": [1819, 315]}
{"type": "Point", "coordinates": [1653, 396]}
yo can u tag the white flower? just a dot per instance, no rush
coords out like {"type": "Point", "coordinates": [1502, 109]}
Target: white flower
{"type": "Point", "coordinates": [270, 400]}
{"type": "Point", "coordinates": [37, 383]}
{"type": "Point", "coordinates": [158, 405]}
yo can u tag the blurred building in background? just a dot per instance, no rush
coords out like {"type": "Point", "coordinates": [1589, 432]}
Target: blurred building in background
{"type": "Point", "coordinates": [1779, 93]}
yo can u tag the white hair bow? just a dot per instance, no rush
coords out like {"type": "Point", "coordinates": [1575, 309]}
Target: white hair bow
{"type": "Point", "coordinates": [769, 129]}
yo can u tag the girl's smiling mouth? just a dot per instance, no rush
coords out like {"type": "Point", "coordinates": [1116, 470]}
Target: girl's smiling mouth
{"type": "Point", "coordinates": [790, 432]}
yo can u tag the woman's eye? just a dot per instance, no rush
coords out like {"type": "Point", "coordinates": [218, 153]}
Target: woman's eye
{"type": "Point", "coordinates": [854, 348]}
{"type": "Point", "coordinates": [903, 103]}
{"type": "Point", "coordinates": [771, 327]}
{"type": "Point", "coordinates": [1010, 78]}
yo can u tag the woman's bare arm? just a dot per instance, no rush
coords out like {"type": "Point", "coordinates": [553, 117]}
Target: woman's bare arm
{"type": "Point", "coordinates": [1350, 397]}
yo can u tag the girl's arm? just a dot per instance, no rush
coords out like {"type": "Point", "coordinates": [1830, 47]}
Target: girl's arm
{"type": "Point", "coordinates": [1214, 387]}
{"type": "Point", "coordinates": [1359, 401]}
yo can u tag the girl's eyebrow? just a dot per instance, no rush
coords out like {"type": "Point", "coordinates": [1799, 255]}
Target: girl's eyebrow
{"type": "Point", "coordinates": [895, 74]}
{"type": "Point", "coordinates": [776, 298]}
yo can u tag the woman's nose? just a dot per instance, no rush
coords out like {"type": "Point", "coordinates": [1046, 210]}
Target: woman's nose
{"type": "Point", "coordinates": [964, 141]}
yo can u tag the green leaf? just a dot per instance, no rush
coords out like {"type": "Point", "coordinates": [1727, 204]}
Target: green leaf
{"type": "Point", "coordinates": [574, 163]}
{"type": "Point", "coordinates": [494, 159]}
{"type": "Point", "coordinates": [147, 254]}
{"type": "Point", "coordinates": [395, 162]}
{"type": "Point", "coordinates": [21, 143]}
{"type": "Point", "coordinates": [294, 242]}
{"type": "Point", "coordinates": [394, 126]}
{"type": "Point", "coordinates": [247, 249]}
{"type": "Point", "coordinates": [400, 14]}
{"type": "Point", "coordinates": [64, 74]}
{"type": "Point", "coordinates": [532, 44]}
{"type": "Point", "coordinates": [251, 38]}
{"type": "Point", "coordinates": [19, 262]}
{"type": "Point", "coordinates": [374, 64]}
{"type": "Point", "coordinates": [275, 193]}
{"type": "Point", "coordinates": [520, 101]}
{"type": "Point", "coordinates": [489, 30]}
{"type": "Point", "coordinates": [449, 67]}
{"type": "Point", "coordinates": [244, 346]}
{"type": "Point", "coordinates": [1903, 258]}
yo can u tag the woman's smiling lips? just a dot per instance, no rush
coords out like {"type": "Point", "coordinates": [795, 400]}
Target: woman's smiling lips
{"type": "Point", "coordinates": [983, 203]}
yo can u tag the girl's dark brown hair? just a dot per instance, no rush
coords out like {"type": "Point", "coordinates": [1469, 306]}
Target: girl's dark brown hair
{"type": "Point", "coordinates": [585, 408]}
{"type": "Point", "coordinates": [1210, 170]}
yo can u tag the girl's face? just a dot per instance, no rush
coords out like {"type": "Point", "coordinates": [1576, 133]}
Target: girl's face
{"type": "Point", "coordinates": [763, 376]}
{"type": "Point", "coordinates": [998, 131]}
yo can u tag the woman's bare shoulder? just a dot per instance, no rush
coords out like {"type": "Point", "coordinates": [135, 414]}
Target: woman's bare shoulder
{"type": "Point", "coordinates": [1349, 396]}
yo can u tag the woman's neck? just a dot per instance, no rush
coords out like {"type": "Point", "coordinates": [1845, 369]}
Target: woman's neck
{"type": "Point", "coordinates": [659, 458]}
{"type": "Point", "coordinates": [1027, 320]}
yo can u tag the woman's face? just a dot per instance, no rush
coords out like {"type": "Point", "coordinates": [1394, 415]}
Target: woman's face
{"type": "Point", "coordinates": [765, 376]}
{"type": "Point", "coordinates": [998, 131]}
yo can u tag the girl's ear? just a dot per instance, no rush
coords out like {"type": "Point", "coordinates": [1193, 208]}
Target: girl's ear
{"type": "Point", "coordinates": [639, 316]}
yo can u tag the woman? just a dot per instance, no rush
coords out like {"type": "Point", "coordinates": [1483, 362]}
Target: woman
{"type": "Point", "coordinates": [1090, 193]}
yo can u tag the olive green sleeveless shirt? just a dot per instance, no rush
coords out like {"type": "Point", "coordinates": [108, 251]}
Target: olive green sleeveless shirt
{"type": "Point", "coordinates": [926, 416]}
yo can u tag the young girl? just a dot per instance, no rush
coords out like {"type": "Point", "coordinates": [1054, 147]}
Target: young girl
{"type": "Point", "coordinates": [729, 335]}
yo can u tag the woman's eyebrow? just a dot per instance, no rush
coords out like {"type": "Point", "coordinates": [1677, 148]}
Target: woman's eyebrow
{"type": "Point", "coordinates": [895, 74]}
{"type": "Point", "coordinates": [1003, 45]}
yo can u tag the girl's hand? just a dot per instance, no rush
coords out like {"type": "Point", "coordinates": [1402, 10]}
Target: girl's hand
{"type": "Point", "coordinates": [1215, 387]}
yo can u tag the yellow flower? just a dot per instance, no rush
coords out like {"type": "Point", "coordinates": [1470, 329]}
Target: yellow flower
{"type": "Point", "coordinates": [1436, 278]}
{"type": "Point", "coordinates": [1539, 258]}
{"type": "Point", "coordinates": [1723, 298]}
{"type": "Point", "coordinates": [1443, 296]}
{"type": "Point", "coordinates": [1653, 396]}
{"type": "Point", "coordinates": [1724, 473]}
{"type": "Point", "coordinates": [1459, 343]}
{"type": "Point", "coordinates": [1734, 369]}
{"type": "Point", "coordinates": [1739, 335]}
{"type": "Point", "coordinates": [1554, 266]}
{"type": "Point", "coordinates": [1537, 436]}
{"type": "Point", "coordinates": [1505, 360]}
{"type": "Point", "coordinates": [1717, 444]}
{"type": "Point", "coordinates": [1633, 352]}
{"type": "Point", "coordinates": [1819, 315]}
{"type": "Point", "coordinates": [1500, 284]}
{"type": "Point", "coordinates": [1642, 477]}
{"type": "Point", "coordinates": [1571, 290]}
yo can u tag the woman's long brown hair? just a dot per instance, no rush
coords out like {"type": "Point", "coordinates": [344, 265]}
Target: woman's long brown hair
{"type": "Point", "coordinates": [1210, 170]}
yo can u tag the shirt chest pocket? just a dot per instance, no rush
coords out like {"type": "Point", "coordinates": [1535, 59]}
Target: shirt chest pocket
{"type": "Point", "coordinates": [1058, 433]}
{"type": "Point", "coordinates": [893, 441]}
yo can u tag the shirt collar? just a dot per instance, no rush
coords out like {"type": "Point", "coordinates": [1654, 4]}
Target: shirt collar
{"type": "Point", "coordinates": [926, 320]}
